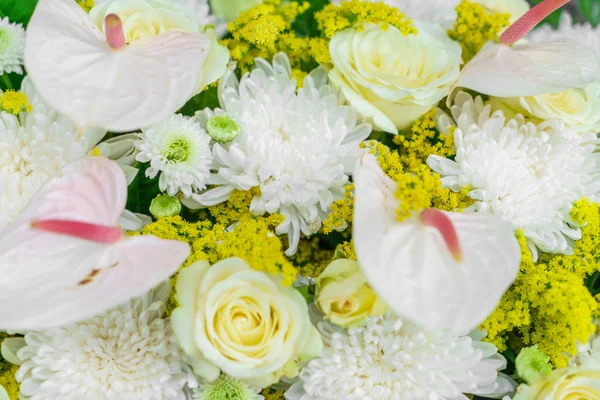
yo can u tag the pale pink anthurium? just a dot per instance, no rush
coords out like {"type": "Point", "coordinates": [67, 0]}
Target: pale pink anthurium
{"type": "Point", "coordinates": [442, 270]}
{"type": "Point", "coordinates": [65, 259]}
{"type": "Point", "coordinates": [100, 81]}
{"type": "Point", "coordinates": [504, 70]}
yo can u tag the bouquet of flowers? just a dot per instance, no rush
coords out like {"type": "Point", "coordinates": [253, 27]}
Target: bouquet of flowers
{"type": "Point", "coordinates": [301, 200]}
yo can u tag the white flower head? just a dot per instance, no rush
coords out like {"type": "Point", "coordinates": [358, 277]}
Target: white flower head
{"type": "Point", "coordinates": [12, 47]}
{"type": "Point", "coordinates": [226, 387]}
{"type": "Point", "coordinates": [34, 146]}
{"type": "Point", "coordinates": [529, 175]}
{"type": "Point", "coordinates": [128, 352]}
{"type": "Point", "coordinates": [588, 355]}
{"type": "Point", "coordinates": [178, 148]}
{"type": "Point", "coordinates": [297, 145]}
{"type": "Point", "coordinates": [390, 358]}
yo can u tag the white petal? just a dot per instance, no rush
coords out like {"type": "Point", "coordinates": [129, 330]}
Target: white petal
{"type": "Point", "coordinates": [411, 268]}
{"type": "Point", "coordinates": [59, 279]}
{"type": "Point", "coordinates": [75, 70]}
{"type": "Point", "coordinates": [530, 69]}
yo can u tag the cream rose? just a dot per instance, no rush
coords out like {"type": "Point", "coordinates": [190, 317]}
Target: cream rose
{"type": "Point", "coordinates": [344, 295]}
{"type": "Point", "coordinates": [242, 322]}
{"type": "Point", "coordinates": [563, 384]}
{"type": "Point", "coordinates": [143, 18]}
{"type": "Point", "coordinates": [516, 8]}
{"type": "Point", "coordinates": [578, 108]}
{"type": "Point", "coordinates": [394, 79]}
{"type": "Point", "coordinates": [231, 9]}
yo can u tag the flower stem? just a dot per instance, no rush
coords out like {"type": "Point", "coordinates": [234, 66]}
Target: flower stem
{"type": "Point", "coordinates": [7, 81]}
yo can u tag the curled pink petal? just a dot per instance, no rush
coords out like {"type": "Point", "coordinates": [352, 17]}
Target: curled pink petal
{"type": "Point", "coordinates": [81, 230]}
{"type": "Point", "coordinates": [527, 22]}
{"type": "Point", "coordinates": [440, 221]}
{"type": "Point", "coordinates": [114, 31]}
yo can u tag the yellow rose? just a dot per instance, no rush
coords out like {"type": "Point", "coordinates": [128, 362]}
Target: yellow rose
{"type": "Point", "coordinates": [394, 79]}
{"type": "Point", "coordinates": [143, 18]}
{"type": "Point", "coordinates": [231, 9]}
{"type": "Point", "coordinates": [516, 8]}
{"type": "Point", "coordinates": [344, 295]}
{"type": "Point", "coordinates": [563, 384]}
{"type": "Point", "coordinates": [242, 322]}
{"type": "Point", "coordinates": [578, 108]}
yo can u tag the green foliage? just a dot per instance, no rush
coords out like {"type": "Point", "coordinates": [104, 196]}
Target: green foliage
{"type": "Point", "coordinates": [207, 98]}
{"type": "Point", "coordinates": [17, 10]}
{"type": "Point", "coordinates": [306, 25]}
{"type": "Point", "coordinates": [590, 10]}
{"type": "Point", "coordinates": [142, 191]}
{"type": "Point", "coordinates": [554, 18]}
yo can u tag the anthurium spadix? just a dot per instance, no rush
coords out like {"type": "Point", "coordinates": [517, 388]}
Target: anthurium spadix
{"type": "Point", "coordinates": [504, 70]}
{"type": "Point", "coordinates": [98, 80]}
{"type": "Point", "coordinates": [442, 270]}
{"type": "Point", "coordinates": [65, 259]}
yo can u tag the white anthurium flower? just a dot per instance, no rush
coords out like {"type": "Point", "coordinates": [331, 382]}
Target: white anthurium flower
{"type": "Point", "coordinates": [530, 69]}
{"type": "Point", "coordinates": [467, 259]}
{"type": "Point", "coordinates": [72, 63]}
{"type": "Point", "coordinates": [66, 259]}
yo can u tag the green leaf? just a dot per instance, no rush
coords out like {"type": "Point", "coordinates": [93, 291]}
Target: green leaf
{"type": "Point", "coordinates": [552, 19]}
{"type": "Point", "coordinates": [207, 98]}
{"type": "Point", "coordinates": [19, 11]}
{"type": "Point", "coordinates": [305, 24]}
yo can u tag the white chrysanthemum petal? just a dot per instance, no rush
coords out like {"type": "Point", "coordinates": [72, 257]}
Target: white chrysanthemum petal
{"type": "Point", "coordinates": [12, 46]}
{"type": "Point", "coordinates": [298, 147]}
{"type": "Point", "coordinates": [128, 352]}
{"type": "Point", "coordinates": [529, 175]}
{"type": "Point", "coordinates": [389, 358]}
{"type": "Point", "coordinates": [33, 147]}
{"type": "Point", "coordinates": [178, 148]}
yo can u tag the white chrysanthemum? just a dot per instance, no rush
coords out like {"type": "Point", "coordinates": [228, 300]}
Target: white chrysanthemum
{"type": "Point", "coordinates": [179, 149]}
{"type": "Point", "coordinates": [582, 33]}
{"type": "Point", "coordinates": [588, 355]}
{"type": "Point", "coordinates": [128, 352]}
{"type": "Point", "coordinates": [297, 146]}
{"type": "Point", "coordinates": [12, 46]}
{"type": "Point", "coordinates": [529, 175]}
{"type": "Point", "coordinates": [33, 147]}
{"type": "Point", "coordinates": [389, 358]}
{"type": "Point", "coordinates": [226, 387]}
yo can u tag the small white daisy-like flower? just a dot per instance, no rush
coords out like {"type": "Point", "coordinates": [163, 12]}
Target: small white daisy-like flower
{"type": "Point", "coordinates": [33, 147]}
{"type": "Point", "coordinates": [389, 358]}
{"type": "Point", "coordinates": [588, 355]}
{"type": "Point", "coordinates": [12, 47]}
{"type": "Point", "coordinates": [529, 175]}
{"type": "Point", "coordinates": [128, 352]}
{"type": "Point", "coordinates": [226, 387]}
{"type": "Point", "coordinates": [298, 146]}
{"type": "Point", "coordinates": [179, 149]}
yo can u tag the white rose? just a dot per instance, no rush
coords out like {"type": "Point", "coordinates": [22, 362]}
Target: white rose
{"type": "Point", "coordinates": [394, 79]}
{"type": "Point", "coordinates": [143, 18]}
{"type": "Point", "coordinates": [243, 322]}
{"type": "Point", "coordinates": [516, 8]}
{"type": "Point", "coordinates": [578, 108]}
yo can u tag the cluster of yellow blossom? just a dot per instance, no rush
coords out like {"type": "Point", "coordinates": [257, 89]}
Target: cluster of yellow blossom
{"type": "Point", "coordinates": [87, 5]}
{"type": "Point", "coordinates": [14, 102]}
{"type": "Point", "coordinates": [7, 375]}
{"type": "Point", "coordinates": [265, 30]}
{"type": "Point", "coordinates": [334, 18]}
{"type": "Point", "coordinates": [346, 249]}
{"type": "Point", "coordinates": [312, 257]}
{"type": "Point", "coordinates": [272, 394]}
{"type": "Point", "coordinates": [341, 212]}
{"type": "Point", "coordinates": [549, 304]}
{"type": "Point", "coordinates": [232, 210]}
{"type": "Point", "coordinates": [475, 26]}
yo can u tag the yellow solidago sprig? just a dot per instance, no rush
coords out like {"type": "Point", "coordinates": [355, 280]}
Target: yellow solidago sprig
{"type": "Point", "coordinates": [312, 257]}
{"type": "Point", "coordinates": [475, 26]}
{"type": "Point", "coordinates": [14, 102]}
{"type": "Point", "coordinates": [334, 18]}
{"type": "Point", "coordinates": [549, 304]}
{"type": "Point", "coordinates": [265, 30]}
{"type": "Point", "coordinates": [87, 5]}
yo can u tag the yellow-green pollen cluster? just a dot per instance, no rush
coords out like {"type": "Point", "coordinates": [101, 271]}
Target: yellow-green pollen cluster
{"type": "Point", "coordinates": [226, 388]}
{"type": "Point", "coordinates": [6, 37]}
{"type": "Point", "coordinates": [178, 150]}
{"type": "Point", "coordinates": [222, 128]}
{"type": "Point", "coordinates": [532, 364]}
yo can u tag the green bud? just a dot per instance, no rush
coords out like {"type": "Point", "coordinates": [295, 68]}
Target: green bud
{"type": "Point", "coordinates": [164, 205]}
{"type": "Point", "coordinates": [222, 128]}
{"type": "Point", "coordinates": [532, 364]}
{"type": "Point", "coordinates": [224, 388]}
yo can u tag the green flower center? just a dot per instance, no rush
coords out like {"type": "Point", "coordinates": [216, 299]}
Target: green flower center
{"type": "Point", "coordinates": [5, 38]}
{"type": "Point", "coordinates": [164, 205]}
{"type": "Point", "coordinates": [222, 128]}
{"type": "Point", "coordinates": [178, 150]}
{"type": "Point", "coordinates": [225, 388]}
